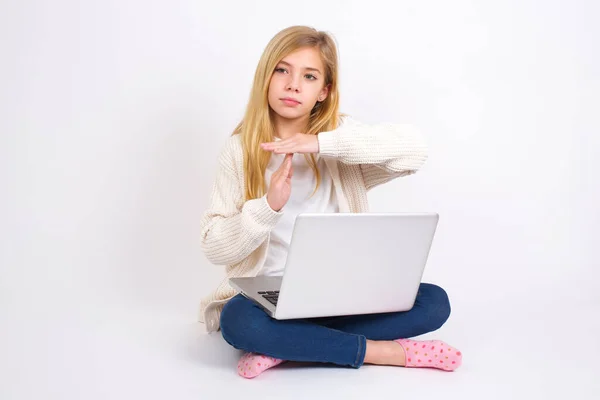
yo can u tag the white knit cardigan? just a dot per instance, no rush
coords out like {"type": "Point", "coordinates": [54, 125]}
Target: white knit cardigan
{"type": "Point", "coordinates": [235, 233]}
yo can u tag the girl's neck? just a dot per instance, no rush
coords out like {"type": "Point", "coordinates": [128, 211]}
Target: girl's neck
{"type": "Point", "coordinates": [284, 128]}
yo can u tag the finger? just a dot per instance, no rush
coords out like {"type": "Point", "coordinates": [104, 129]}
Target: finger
{"type": "Point", "coordinates": [288, 164]}
{"type": "Point", "coordinates": [275, 149]}
{"type": "Point", "coordinates": [266, 147]}
{"type": "Point", "coordinates": [290, 148]}
{"type": "Point", "coordinates": [277, 143]}
{"type": "Point", "coordinates": [281, 171]}
{"type": "Point", "coordinates": [274, 143]}
{"type": "Point", "coordinates": [286, 159]}
{"type": "Point", "coordinates": [282, 166]}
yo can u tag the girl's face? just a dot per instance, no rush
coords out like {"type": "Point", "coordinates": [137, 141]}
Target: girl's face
{"type": "Point", "coordinates": [297, 83]}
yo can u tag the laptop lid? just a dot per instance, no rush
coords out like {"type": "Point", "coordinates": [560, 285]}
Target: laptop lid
{"type": "Point", "coordinates": [354, 263]}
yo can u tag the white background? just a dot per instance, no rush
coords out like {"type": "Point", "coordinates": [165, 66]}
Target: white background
{"type": "Point", "coordinates": [111, 118]}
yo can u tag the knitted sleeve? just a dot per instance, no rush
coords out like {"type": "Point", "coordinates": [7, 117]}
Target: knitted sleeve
{"type": "Point", "coordinates": [232, 229]}
{"type": "Point", "coordinates": [384, 151]}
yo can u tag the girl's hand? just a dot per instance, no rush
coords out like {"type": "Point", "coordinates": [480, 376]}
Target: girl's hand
{"type": "Point", "coordinates": [281, 184]}
{"type": "Point", "coordinates": [298, 143]}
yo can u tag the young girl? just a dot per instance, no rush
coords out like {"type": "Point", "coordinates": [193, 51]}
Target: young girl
{"type": "Point", "coordinates": [294, 152]}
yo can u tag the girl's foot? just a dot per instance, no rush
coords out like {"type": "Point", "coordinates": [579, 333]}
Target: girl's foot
{"type": "Point", "coordinates": [430, 354]}
{"type": "Point", "coordinates": [252, 364]}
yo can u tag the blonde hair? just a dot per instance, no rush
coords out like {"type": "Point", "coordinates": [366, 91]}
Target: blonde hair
{"type": "Point", "coordinates": [257, 125]}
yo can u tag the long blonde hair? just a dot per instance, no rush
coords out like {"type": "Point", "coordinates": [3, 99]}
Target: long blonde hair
{"type": "Point", "coordinates": [257, 125]}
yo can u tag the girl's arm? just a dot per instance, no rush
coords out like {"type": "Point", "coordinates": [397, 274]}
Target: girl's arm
{"type": "Point", "coordinates": [384, 152]}
{"type": "Point", "coordinates": [232, 229]}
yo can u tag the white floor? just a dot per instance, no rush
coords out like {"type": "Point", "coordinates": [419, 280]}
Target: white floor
{"type": "Point", "coordinates": [523, 349]}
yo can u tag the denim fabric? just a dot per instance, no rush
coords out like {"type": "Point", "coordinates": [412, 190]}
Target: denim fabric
{"type": "Point", "coordinates": [337, 340]}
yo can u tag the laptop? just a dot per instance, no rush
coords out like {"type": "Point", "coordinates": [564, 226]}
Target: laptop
{"type": "Point", "coordinates": [347, 264]}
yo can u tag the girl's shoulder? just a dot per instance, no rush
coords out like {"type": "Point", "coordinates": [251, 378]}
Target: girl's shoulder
{"type": "Point", "coordinates": [232, 147]}
{"type": "Point", "coordinates": [231, 154]}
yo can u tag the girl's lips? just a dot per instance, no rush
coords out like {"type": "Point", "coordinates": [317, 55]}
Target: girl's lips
{"type": "Point", "coordinates": [290, 102]}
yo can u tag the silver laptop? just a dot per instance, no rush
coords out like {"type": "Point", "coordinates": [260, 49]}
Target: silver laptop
{"type": "Point", "coordinates": [347, 264]}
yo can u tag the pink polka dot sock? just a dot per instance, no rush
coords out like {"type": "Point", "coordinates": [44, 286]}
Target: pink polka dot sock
{"type": "Point", "coordinates": [430, 354]}
{"type": "Point", "coordinates": [251, 364]}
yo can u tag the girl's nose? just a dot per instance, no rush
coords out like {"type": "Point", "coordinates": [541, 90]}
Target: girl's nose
{"type": "Point", "coordinates": [293, 85]}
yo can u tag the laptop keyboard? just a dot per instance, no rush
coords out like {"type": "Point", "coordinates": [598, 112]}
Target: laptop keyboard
{"type": "Point", "coordinates": [270, 295]}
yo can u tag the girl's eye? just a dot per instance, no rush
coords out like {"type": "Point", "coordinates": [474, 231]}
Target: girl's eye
{"type": "Point", "coordinates": [311, 77]}
{"type": "Point", "coordinates": [280, 69]}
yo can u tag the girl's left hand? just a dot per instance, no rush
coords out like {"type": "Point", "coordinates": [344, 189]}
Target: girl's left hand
{"type": "Point", "coordinates": [297, 143]}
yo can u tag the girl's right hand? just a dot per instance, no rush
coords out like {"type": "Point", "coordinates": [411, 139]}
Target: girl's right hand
{"type": "Point", "coordinates": [280, 187]}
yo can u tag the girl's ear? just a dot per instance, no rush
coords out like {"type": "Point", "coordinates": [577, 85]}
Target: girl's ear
{"type": "Point", "coordinates": [324, 92]}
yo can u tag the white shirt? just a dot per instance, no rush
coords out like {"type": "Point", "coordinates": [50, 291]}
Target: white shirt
{"type": "Point", "coordinates": [303, 184]}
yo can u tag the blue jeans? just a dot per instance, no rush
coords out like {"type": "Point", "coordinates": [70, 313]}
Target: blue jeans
{"type": "Point", "coordinates": [337, 340]}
